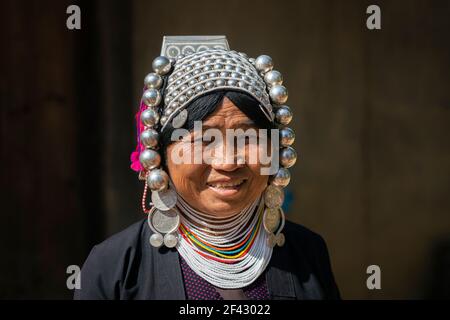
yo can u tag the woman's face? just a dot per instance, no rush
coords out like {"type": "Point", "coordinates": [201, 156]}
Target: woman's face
{"type": "Point", "coordinates": [219, 187]}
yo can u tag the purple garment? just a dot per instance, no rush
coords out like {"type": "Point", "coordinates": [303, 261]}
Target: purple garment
{"type": "Point", "coordinates": [198, 288]}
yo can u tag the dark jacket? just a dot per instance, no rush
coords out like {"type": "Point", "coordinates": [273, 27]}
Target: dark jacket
{"type": "Point", "coordinates": [126, 266]}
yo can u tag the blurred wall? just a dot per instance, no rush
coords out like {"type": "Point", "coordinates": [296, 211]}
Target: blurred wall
{"type": "Point", "coordinates": [371, 117]}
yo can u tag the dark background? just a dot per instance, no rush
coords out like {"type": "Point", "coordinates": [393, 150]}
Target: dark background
{"type": "Point", "coordinates": [371, 117]}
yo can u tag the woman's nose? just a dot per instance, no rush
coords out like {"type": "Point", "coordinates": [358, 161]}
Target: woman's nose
{"type": "Point", "coordinates": [228, 162]}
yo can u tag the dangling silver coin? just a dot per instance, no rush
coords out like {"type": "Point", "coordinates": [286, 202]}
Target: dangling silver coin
{"type": "Point", "coordinates": [165, 221]}
{"type": "Point", "coordinates": [170, 240]}
{"type": "Point", "coordinates": [271, 240]}
{"type": "Point", "coordinates": [271, 219]}
{"type": "Point", "coordinates": [180, 119]}
{"type": "Point", "coordinates": [156, 240]}
{"type": "Point", "coordinates": [273, 196]}
{"type": "Point", "coordinates": [280, 239]}
{"type": "Point", "coordinates": [164, 200]}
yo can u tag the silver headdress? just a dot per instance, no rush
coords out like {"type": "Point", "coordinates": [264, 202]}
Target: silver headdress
{"type": "Point", "coordinates": [188, 68]}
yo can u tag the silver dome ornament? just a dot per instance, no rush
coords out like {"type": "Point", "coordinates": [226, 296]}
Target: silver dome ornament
{"type": "Point", "coordinates": [149, 117]}
{"type": "Point", "coordinates": [156, 240]}
{"type": "Point", "coordinates": [157, 180]}
{"type": "Point", "coordinates": [287, 136]}
{"type": "Point", "coordinates": [281, 178]}
{"type": "Point", "coordinates": [273, 78]}
{"type": "Point", "coordinates": [278, 94]}
{"type": "Point", "coordinates": [283, 115]}
{"type": "Point", "coordinates": [150, 138]}
{"type": "Point", "coordinates": [161, 65]}
{"type": "Point", "coordinates": [170, 240]}
{"type": "Point", "coordinates": [263, 63]}
{"type": "Point", "coordinates": [151, 97]}
{"type": "Point", "coordinates": [153, 81]}
{"type": "Point", "coordinates": [288, 157]}
{"type": "Point", "coordinates": [150, 159]}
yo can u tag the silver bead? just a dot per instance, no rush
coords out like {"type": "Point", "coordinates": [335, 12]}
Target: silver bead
{"type": "Point", "coordinates": [163, 119]}
{"type": "Point", "coordinates": [156, 240]}
{"type": "Point", "coordinates": [209, 85]}
{"type": "Point", "coordinates": [283, 115]}
{"type": "Point", "coordinates": [243, 55]}
{"type": "Point", "coordinates": [232, 82]}
{"type": "Point", "coordinates": [150, 138]}
{"type": "Point", "coordinates": [170, 240]}
{"type": "Point", "coordinates": [150, 159]}
{"type": "Point", "coordinates": [288, 157]}
{"type": "Point", "coordinates": [161, 65]}
{"type": "Point", "coordinates": [149, 117]}
{"type": "Point", "coordinates": [192, 82]}
{"type": "Point", "coordinates": [281, 178]}
{"type": "Point", "coordinates": [190, 93]}
{"type": "Point", "coordinates": [287, 137]}
{"type": "Point", "coordinates": [218, 66]}
{"type": "Point", "coordinates": [263, 63]}
{"type": "Point", "coordinates": [220, 82]}
{"type": "Point", "coordinates": [278, 94]}
{"type": "Point", "coordinates": [168, 111]}
{"type": "Point", "coordinates": [151, 97]}
{"type": "Point", "coordinates": [174, 105]}
{"type": "Point", "coordinates": [157, 180]}
{"type": "Point", "coordinates": [199, 88]}
{"type": "Point", "coordinates": [203, 77]}
{"type": "Point", "coordinates": [273, 78]}
{"type": "Point", "coordinates": [153, 81]}
{"type": "Point", "coordinates": [182, 99]}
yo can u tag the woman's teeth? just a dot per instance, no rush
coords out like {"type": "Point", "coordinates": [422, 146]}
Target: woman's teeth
{"type": "Point", "coordinates": [227, 185]}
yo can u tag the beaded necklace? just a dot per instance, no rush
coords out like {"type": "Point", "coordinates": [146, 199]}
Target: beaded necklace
{"type": "Point", "coordinates": [229, 252]}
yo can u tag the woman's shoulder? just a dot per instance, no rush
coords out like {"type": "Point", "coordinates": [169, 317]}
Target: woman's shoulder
{"type": "Point", "coordinates": [102, 271]}
{"type": "Point", "coordinates": [129, 237]}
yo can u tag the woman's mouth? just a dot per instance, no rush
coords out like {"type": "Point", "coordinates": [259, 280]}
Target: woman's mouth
{"type": "Point", "coordinates": [226, 188]}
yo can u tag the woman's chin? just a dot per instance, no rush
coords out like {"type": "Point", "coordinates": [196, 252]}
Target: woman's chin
{"type": "Point", "coordinates": [218, 206]}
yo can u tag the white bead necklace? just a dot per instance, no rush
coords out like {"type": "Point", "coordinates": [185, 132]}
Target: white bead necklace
{"type": "Point", "coordinates": [225, 232]}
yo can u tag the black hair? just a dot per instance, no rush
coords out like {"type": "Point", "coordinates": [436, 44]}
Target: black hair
{"type": "Point", "coordinates": [202, 107]}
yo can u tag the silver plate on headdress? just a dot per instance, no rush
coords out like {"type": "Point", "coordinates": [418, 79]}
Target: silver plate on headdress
{"type": "Point", "coordinates": [180, 119]}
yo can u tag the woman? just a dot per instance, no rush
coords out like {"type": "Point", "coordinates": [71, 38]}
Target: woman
{"type": "Point", "coordinates": [215, 227]}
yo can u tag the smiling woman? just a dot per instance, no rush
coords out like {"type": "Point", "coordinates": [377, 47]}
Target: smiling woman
{"type": "Point", "coordinates": [215, 229]}
{"type": "Point", "coordinates": [221, 188]}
